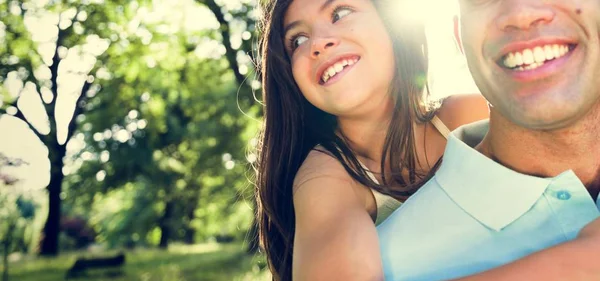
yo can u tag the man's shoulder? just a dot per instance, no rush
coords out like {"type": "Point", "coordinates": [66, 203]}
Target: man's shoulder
{"type": "Point", "coordinates": [420, 204]}
{"type": "Point", "coordinates": [415, 237]}
{"type": "Point", "coordinates": [431, 203]}
{"type": "Point", "coordinates": [473, 133]}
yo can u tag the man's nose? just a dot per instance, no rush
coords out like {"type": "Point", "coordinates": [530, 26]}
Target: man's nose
{"type": "Point", "coordinates": [524, 14]}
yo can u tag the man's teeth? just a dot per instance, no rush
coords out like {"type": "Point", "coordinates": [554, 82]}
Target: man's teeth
{"type": "Point", "coordinates": [531, 59]}
{"type": "Point", "coordinates": [336, 68]}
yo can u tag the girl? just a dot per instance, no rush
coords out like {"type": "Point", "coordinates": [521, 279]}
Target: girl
{"type": "Point", "coordinates": [348, 134]}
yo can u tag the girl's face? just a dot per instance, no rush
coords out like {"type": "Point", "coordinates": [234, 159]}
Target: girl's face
{"type": "Point", "coordinates": [341, 55]}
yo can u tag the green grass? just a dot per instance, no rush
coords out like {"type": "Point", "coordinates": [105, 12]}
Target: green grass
{"type": "Point", "coordinates": [204, 262]}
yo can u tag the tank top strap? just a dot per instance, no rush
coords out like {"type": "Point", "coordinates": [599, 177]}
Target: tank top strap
{"type": "Point", "coordinates": [440, 126]}
{"type": "Point", "coordinates": [386, 204]}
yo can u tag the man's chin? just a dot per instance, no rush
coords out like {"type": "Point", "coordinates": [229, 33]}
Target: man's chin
{"type": "Point", "coordinates": [543, 121]}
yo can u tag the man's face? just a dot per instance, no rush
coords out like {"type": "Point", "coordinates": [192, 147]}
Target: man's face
{"type": "Point", "coordinates": [536, 61]}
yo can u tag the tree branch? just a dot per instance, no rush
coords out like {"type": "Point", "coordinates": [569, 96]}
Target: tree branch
{"type": "Point", "coordinates": [230, 53]}
{"type": "Point", "coordinates": [20, 115]}
{"type": "Point", "coordinates": [79, 107]}
{"type": "Point", "coordinates": [28, 62]}
{"type": "Point", "coordinates": [56, 59]}
{"type": "Point", "coordinates": [54, 67]}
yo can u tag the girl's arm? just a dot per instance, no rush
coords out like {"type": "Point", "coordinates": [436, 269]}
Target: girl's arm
{"type": "Point", "coordinates": [335, 237]}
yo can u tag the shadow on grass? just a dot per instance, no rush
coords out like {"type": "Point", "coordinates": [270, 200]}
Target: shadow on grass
{"type": "Point", "coordinates": [225, 263]}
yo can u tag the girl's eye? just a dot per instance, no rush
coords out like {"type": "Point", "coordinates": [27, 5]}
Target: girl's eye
{"type": "Point", "coordinates": [340, 12]}
{"type": "Point", "coordinates": [297, 40]}
{"type": "Point", "coordinates": [337, 14]}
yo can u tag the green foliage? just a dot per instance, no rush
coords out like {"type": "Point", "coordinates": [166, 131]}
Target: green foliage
{"type": "Point", "coordinates": [186, 142]}
{"type": "Point", "coordinates": [17, 212]}
{"type": "Point", "coordinates": [161, 136]}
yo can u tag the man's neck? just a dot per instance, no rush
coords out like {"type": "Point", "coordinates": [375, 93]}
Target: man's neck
{"type": "Point", "coordinates": [547, 153]}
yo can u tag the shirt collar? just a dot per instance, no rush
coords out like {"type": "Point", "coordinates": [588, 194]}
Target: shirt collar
{"type": "Point", "coordinates": [491, 193]}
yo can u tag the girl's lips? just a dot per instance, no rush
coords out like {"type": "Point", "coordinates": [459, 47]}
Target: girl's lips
{"type": "Point", "coordinates": [332, 62]}
{"type": "Point", "coordinates": [338, 76]}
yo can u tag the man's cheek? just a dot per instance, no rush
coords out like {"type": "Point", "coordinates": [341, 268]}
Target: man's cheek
{"type": "Point", "coordinates": [470, 45]}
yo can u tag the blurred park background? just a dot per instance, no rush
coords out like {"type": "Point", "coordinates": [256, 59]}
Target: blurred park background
{"type": "Point", "coordinates": [129, 128]}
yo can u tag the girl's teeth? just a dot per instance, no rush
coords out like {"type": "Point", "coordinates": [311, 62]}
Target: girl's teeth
{"type": "Point", "coordinates": [336, 68]}
{"type": "Point", "coordinates": [331, 71]}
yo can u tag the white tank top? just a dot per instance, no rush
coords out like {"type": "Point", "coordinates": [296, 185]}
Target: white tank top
{"type": "Point", "coordinates": [386, 205]}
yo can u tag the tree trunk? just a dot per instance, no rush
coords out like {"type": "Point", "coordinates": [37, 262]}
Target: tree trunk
{"type": "Point", "coordinates": [165, 225]}
{"type": "Point", "coordinates": [190, 213]}
{"type": "Point", "coordinates": [49, 245]}
{"type": "Point", "coordinates": [190, 232]}
{"type": "Point", "coordinates": [56, 153]}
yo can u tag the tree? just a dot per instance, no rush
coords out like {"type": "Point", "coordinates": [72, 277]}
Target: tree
{"type": "Point", "coordinates": [77, 32]}
{"type": "Point", "coordinates": [187, 102]}
{"type": "Point", "coordinates": [190, 126]}
{"type": "Point", "coordinates": [246, 13]}
{"type": "Point", "coordinates": [162, 110]}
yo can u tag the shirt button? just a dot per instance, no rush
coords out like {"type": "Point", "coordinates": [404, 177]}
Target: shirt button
{"type": "Point", "coordinates": [563, 195]}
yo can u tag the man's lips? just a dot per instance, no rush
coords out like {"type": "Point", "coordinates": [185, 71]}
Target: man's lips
{"type": "Point", "coordinates": [528, 58]}
{"type": "Point", "coordinates": [520, 46]}
{"type": "Point", "coordinates": [528, 55]}
{"type": "Point", "coordinates": [539, 71]}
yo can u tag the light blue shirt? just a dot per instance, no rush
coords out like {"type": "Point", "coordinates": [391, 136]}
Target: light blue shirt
{"type": "Point", "coordinates": [476, 214]}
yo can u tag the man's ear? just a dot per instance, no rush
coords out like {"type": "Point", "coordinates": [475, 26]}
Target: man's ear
{"type": "Point", "coordinates": [456, 22]}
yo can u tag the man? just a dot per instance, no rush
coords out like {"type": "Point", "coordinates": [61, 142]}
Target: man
{"type": "Point", "coordinates": [526, 180]}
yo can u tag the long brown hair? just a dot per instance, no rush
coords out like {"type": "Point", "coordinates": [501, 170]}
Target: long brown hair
{"type": "Point", "coordinates": [293, 127]}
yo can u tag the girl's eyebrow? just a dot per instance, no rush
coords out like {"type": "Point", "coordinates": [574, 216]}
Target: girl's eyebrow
{"type": "Point", "coordinates": [296, 23]}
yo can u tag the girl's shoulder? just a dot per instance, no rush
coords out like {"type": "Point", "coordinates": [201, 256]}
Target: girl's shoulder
{"type": "Point", "coordinates": [323, 175]}
{"type": "Point", "coordinates": [458, 110]}
{"type": "Point", "coordinates": [320, 164]}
